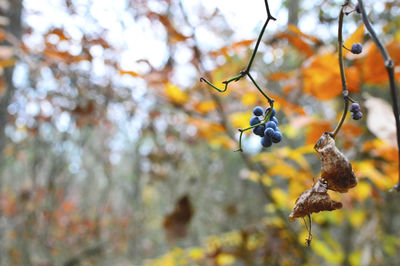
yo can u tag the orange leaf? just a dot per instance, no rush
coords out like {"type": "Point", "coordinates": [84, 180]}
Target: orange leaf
{"type": "Point", "coordinates": [130, 73]}
{"type": "Point", "coordinates": [321, 77]}
{"type": "Point", "coordinates": [316, 129]}
{"type": "Point", "coordinates": [7, 62]}
{"type": "Point", "coordinates": [298, 43]}
{"type": "Point", "coordinates": [205, 107]}
{"type": "Point", "coordinates": [277, 76]}
{"type": "Point", "coordinates": [297, 31]}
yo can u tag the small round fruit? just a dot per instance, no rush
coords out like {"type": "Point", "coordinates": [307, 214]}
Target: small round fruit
{"type": "Point", "coordinates": [269, 132]}
{"type": "Point", "coordinates": [276, 137]}
{"type": "Point", "coordinates": [258, 111]}
{"type": "Point", "coordinates": [271, 124]}
{"type": "Point", "coordinates": [357, 8]}
{"type": "Point", "coordinates": [259, 130]}
{"type": "Point", "coordinates": [266, 142]}
{"type": "Point", "coordinates": [355, 107]}
{"type": "Point", "coordinates": [357, 115]}
{"type": "Point", "coordinates": [254, 121]}
{"type": "Point", "coordinates": [356, 48]}
{"type": "Point", "coordinates": [274, 119]}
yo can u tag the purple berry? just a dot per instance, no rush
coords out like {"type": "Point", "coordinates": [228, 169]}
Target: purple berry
{"type": "Point", "coordinates": [258, 111]}
{"type": "Point", "coordinates": [357, 115]}
{"type": "Point", "coordinates": [357, 8]}
{"type": "Point", "coordinates": [274, 119]}
{"type": "Point", "coordinates": [276, 137]}
{"type": "Point", "coordinates": [271, 124]}
{"type": "Point", "coordinates": [266, 142]}
{"type": "Point", "coordinates": [355, 107]}
{"type": "Point", "coordinates": [259, 130]}
{"type": "Point", "coordinates": [356, 48]}
{"type": "Point", "coordinates": [254, 121]}
{"type": "Point", "coordinates": [269, 132]}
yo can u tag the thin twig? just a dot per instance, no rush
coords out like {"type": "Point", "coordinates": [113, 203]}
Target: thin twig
{"type": "Point", "coordinates": [345, 90]}
{"type": "Point", "coordinates": [390, 70]}
{"type": "Point", "coordinates": [245, 72]}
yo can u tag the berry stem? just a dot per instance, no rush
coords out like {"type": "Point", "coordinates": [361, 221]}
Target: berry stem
{"type": "Point", "coordinates": [390, 70]}
{"type": "Point", "coordinates": [345, 91]}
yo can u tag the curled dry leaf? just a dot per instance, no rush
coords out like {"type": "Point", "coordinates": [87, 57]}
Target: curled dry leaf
{"type": "Point", "coordinates": [313, 200]}
{"type": "Point", "coordinates": [336, 168]}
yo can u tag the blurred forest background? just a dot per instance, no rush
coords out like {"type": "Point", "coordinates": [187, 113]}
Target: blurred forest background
{"type": "Point", "coordinates": [113, 153]}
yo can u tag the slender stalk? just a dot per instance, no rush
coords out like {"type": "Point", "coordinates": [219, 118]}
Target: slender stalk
{"type": "Point", "coordinates": [345, 91]}
{"type": "Point", "coordinates": [392, 83]}
{"type": "Point", "coordinates": [247, 70]}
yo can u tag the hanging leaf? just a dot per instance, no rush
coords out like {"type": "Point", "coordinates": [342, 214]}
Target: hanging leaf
{"type": "Point", "coordinates": [313, 200]}
{"type": "Point", "coordinates": [336, 169]}
{"type": "Point", "coordinates": [175, 94]}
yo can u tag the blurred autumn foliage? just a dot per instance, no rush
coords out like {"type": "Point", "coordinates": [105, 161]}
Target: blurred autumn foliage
{"type": "Point", "coordinates": [113, 153]}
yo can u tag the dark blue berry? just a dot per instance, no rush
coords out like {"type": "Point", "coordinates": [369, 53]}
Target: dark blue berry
{"type": "Point", "coordinates": [276, 137]}
{"type": "Point", "coordinates": [254, 121]}
{"type": "Point", "coordinates": [259, 130]}
{"type": "Point", "coordinates": [274, 119]}
{"type": "Point", "coordinates": [356, 48]}
{"type": "Point", "coordinates": [271, 124]}
{"type": "Point", "coordinates": [357, 8]}
{"type": "Point", "coordinates": [269, 132]}
{"type": "Point", "coordinates": [266, 142]}
{"type": "Point", "coordinates": [356, 115]}
{"type": "Point", "coordinates": [258, 111]}
{"type": "Point", "coordinates": [355, 107]}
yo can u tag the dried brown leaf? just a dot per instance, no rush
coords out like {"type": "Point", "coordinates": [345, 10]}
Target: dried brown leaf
{"type": "Point", "coordinates": [313, 200]}
{"type": "Point", "coordinates": [336, 169]}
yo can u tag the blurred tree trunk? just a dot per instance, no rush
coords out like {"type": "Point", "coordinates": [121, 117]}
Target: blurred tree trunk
{"type": "Point", "coordinates": [10, 10]}
{"type": "Point", "coordinates": [293, 10]}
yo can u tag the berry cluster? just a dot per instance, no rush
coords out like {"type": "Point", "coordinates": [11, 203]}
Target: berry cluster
{"type": "Point", "coordinates": [355, 111]}
{"type": "Point", "coordinates": [269, 132]}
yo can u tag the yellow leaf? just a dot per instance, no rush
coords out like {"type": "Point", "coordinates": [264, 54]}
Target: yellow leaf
{"type": "Point", "coordinates": [225, 259]}
{"type": "Point", "coordinates": [249, 98]}
{"type": "Point", "coordinates": [205, 107]}
{"type": "Point", "coordinates": [356, 37]}
{"type": "Point", "coordinates": [175, 94]}
{"type": "Point", "coordinates": [196, 253]}
{"type": "Point", "coordinates": [279, 196]}
{"type": "Point", "coordinates": [240, 119]}
{"type": "Point", "coordinates": [357, 218]}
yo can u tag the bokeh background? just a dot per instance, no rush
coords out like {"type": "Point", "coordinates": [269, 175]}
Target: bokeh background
{"type": "Point", "coordinates": [113, 153]}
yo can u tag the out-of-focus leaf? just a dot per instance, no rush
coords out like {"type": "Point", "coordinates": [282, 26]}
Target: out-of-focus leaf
{"type": "Point", "coordinates": [240, 119]}
{"type": "Point", "coordinates": [321, 77]}
{"type": "Point", "coordinates": [130, 73]}
{"type": "Point", "coordinates": [315, 129]}
{"type": "Point", "coordinates": [250, 98]}
{"type": "Point", "coordinates": [373, 67]}
{"type": "Point", "coordinates": [224, 50]}
{"type": "Point", "coordinates": [205, 107]}
{"type": "Point", "coordinates": [298, 43]}
{"type": "Point", "coordinates": [277, 76]}
{"type": "Point", "coordinates": [297, 31]}
{"type": "Point", "coordinates": [225, 259]}
{"type": "Point", "coordinates": [7, 62]}
{"type": "Point", "coordinates": [378, 147]}
{"type": "Point", "coordinates": [175, 94]}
